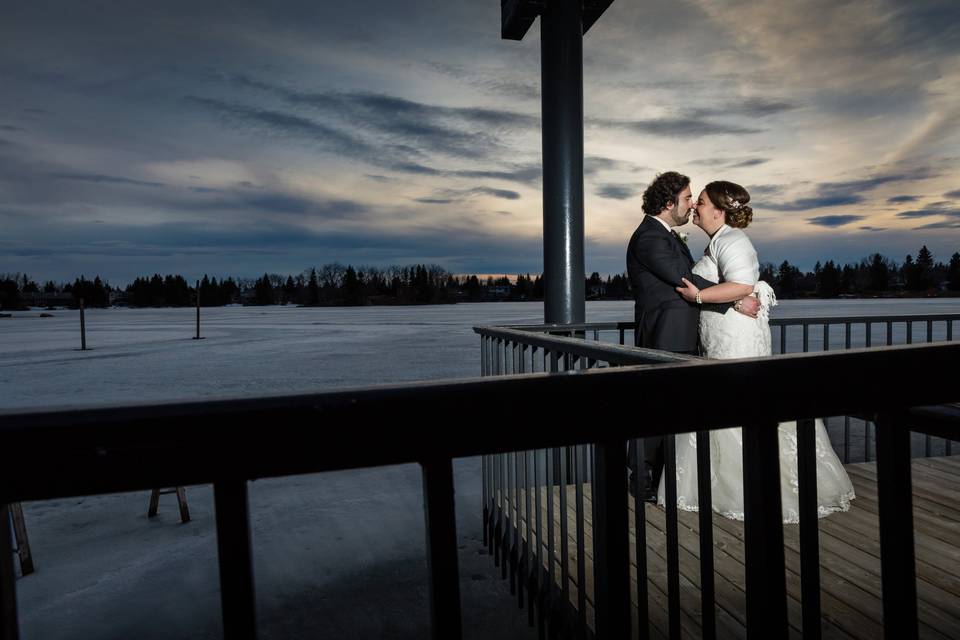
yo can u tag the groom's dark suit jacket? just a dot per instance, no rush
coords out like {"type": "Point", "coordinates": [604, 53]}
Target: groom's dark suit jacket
{"type": "Point", "coordinates": [656, 261]}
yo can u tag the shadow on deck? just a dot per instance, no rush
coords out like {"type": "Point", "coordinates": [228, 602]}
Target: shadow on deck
{"type": "Point", "coordinates": [850, 584]}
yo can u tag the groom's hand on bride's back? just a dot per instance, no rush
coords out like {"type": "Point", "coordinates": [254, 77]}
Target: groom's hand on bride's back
{"type": "Point", "coordinates": [748, 306]}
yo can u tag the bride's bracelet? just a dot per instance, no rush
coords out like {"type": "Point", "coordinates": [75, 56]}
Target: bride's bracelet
{"type": "Point", "coordinates": [699, 301]}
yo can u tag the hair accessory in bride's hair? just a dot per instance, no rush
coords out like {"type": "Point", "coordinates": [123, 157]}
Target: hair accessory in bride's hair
{"type": "Point", "coordinates": [734, 204]}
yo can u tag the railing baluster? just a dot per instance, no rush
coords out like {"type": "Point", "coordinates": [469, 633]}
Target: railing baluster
{"type": "Point", "coordinates": [809, 532]}
{"type": "Point", "coordinates": [442, 562]}
{"type": "Point", "coordinates": [894, 498]}
{"type": "Point", "coordinates": [640, 544]}
{"type": "Point", "coordinates": [783, 338]}
{"type": "Point", "coordinates": [530, 545]}
{"type": "Point", "coordinates": [9, 627]}
{"type": "Point", "coordinates": [868, 341]}
{"type": "Point", "coordinates": [846, 419]}
{"type": "Point", "coordinates": [705, 505]}
{"type": "Point", "coordinates": [507, 515]}
{"type": "Point", "coordinates": [237, 599]}
{"type": "Point", "coordinates": [536, 559]}
{"type": "Point", "coordinates": [909, 332]}
{"type": "Point", "coordinates": [806, 337]}
{"type": "Point", "coordinates": [564, 534]}
{"type": "Point", "coordinates": [578, 475]}
{"type": "Point", "coordinates": [484, 498]}
{"type": "Point", "coordinates": [622, 336]}
{"type": "Point", "coordinates": [483, 355]}
{"type": "Point", "coordinates": [552, 465]}
{"type": "Point", "coordinates": [673, 551]}
{"type": "Point", "coordinates": [890, 333]}
{"type": "Point", "coordinates": [826, 336]}
{"type": "Point", "coordinates": [523, 517]}
{"type": "Point", "coordinates": [949, 329]}
{"type": "Point", "coordinates": [515, 514]}
{"type": "Point", "coordinates": [497, 516]}
{"type": "Point", "coordinates": [611, 542]}
{"type": "Point", "coordinates": [927, 439]}
{"type": "Point", "coordinates": [763, 533]}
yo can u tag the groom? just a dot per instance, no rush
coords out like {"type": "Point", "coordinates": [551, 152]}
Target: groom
{"type": "Point", "coordinates": [657, 259]}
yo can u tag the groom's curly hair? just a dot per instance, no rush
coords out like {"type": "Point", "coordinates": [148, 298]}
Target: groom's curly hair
{"type": "Point", "coordinates": [663, 190]}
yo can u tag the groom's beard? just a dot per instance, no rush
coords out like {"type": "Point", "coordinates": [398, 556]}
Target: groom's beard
{"type": "Point", "coordinates": [680, 219]}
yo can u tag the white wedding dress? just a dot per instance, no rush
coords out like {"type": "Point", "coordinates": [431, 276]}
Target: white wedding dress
{"type": "Point", "coordinates": [730, 257]}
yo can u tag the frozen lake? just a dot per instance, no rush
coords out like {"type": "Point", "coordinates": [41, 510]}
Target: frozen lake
{"type": "Point", "coordinates": [337, 554]}
{"type": "Point", "coordinates": [139, 355]}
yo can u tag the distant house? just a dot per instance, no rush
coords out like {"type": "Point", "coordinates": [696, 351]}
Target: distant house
{"type": "Point", "coordinates": [496, 292]}
{"type": "Point", "coordinates": [42, 299]}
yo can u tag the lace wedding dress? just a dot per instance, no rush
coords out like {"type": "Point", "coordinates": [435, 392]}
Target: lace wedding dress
{"type": "Point", "coordinates": [730, 257]}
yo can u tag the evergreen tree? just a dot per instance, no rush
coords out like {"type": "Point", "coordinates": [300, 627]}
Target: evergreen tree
{"type": "Point", "coordinates": [828, 280]}
{"type": "Point", "coordinates": [924, 269]}
{"type": "Point", "coordinates": [263, 291]}
{"type": "Point", "coordinates": [787, 277]}
{"type": "Point", "coordinates": [879, 273]}
{"type": "Point", "coordinates": [953, 273]}
{"type": "Point", "coordinates": [352, 287]}
{"type": "Point", "coordinates": [912, 275]}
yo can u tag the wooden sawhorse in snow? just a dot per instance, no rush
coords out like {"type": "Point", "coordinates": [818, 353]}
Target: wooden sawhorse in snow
{"type": "Point", "coordinates": [181, 502]}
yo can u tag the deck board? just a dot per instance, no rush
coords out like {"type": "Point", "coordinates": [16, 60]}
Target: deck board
{"type": "Point", "coordinates": [850, 583]}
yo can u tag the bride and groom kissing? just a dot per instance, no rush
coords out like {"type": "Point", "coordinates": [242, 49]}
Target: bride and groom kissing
{"type": "Point", "coordinates": [718, 308]}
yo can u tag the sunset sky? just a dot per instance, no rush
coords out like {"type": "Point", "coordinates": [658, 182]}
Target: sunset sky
{"type": "Point", "coordinates": [238, 138]}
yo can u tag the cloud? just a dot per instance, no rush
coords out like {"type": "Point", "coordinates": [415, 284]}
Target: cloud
{"type": "Point", "coordinates": [935, 209]}
{"type": "Point", "coordinates": [754, 107]}
{"type": "Point", "coordinates": [595, 164]}
{"type": "Point", "coordinates": [434, 200]}
{"type": "Point", "coordinates": [834, 221]}
{"type": "Point", "coordinates": [457, 131]}
{"type": "Point", "coordinates": [902, 199]}
{"type": "Point", "coordinates": [446, 196]}
{"type": "Point", "coordinates": [817, 202]}
{"type": "Point", "coordinates": [952, 194]}
{"type": "Point", "coordinates": [99, 178]}
{"type": "Point", "coordinates": [945, 224]}
{"type": "Point", "coordinates": [869, 228]}
{"type": "Point", "coordinates": [832, 194]}
{"type": "Point", "coordinates": [731, 163]}
{"type": "Point", "coordinates": [617, 191]}
{"type": "Point", "coordinates": [675, 127]}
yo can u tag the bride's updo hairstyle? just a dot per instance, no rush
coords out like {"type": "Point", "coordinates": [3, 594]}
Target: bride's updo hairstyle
{"type": "Point", "coordinates": [732, 199]}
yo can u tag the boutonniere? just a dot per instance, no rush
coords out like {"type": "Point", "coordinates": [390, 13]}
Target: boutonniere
{"type": "Point", "coordinates": [683, 236]}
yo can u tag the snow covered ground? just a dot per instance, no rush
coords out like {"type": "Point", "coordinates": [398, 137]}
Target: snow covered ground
{"type": "Point", "coordinates": [335, 554]}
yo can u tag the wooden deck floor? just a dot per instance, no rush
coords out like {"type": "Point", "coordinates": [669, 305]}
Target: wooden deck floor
{"type": "Point", "coordinates": [849, 557]}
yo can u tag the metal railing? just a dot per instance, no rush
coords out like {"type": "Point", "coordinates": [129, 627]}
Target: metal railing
{"type": "Point", "coordinates": [525, 348]}
{"type": "Point", "coordinates": [124, 448]}
{"type": "Point", "coordinates": [510, 511]}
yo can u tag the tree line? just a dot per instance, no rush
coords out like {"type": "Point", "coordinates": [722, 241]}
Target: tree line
{"type": "Point", "coordinates": [335, 284]}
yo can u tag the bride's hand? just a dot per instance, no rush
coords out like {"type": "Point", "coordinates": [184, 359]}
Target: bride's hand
{"type": "Point", "coordinates": [689, 291]}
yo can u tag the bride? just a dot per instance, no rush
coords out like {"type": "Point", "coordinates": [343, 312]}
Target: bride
{"type": "Point", "coordinates": [730, 259]}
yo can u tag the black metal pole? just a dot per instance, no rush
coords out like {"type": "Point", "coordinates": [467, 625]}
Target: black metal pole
{"type": "Point", "coordinates": [561, 67]}
{"type": "Point", "coordinates": [198, 311]}
{"type": "Point", "coordinates": [441, 525]}
{"type": "Point", "coordinates": [83, 329]}
{"type": "Point", "coordinates": [8, 590]}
